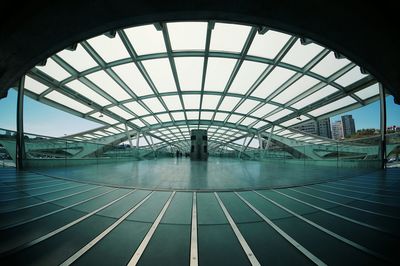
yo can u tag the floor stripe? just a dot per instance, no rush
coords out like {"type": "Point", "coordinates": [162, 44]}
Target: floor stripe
{"type": "Point", "coordinates": [42, 238]}
{"type": "Point", "coordinates": [194, 256]}
{"type": "Point", "coordinates": [28, 183]}
{"type": "Point", "coordinates": [323, 229]}
{"type": "Point", "coordinates": [139, 251]}
{"type": "Point", "coordinates": [357, 191]}
{"type": "Point", "coordinates": [29, 189]}
{"type": "Point", "coordinates": [350, 197]}
{"type": "Point", "coordinates": [88, 246]}
{"type": "Point", "coordinates": [56, 211]}
{"type": "Point", "coordinates": [345, 205]}
{"type": "Point", "coordinates": [337, 215]}
{"type": "Point", "coordinates": [47, 201]}
{"type": "Point", "coordinates": [364, 187]}
{"type": "Point", "coordinates": [288, 238]}
{"type": "Point", "coordinates": [44, 193]}
{"type": "Point", "coordinates": [246, 248]}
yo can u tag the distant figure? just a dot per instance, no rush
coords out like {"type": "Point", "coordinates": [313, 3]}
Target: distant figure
{"type": "Point", "coordinates": [177, 153]}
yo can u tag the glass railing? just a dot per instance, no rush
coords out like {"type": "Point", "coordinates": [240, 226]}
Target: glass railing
{"type": "Point", "coordinates": [43, 151]}
{"type": "Point", "coordinates": [360, 152]}
{"type": "Point", "coordinates": [393, 150]}
{"type": "Point", "coordinates": [7, 148]}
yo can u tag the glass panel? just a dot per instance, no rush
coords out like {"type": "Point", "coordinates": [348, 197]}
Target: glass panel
{"type": "Point", "coordinates": [278, 115]}
{"type": "Point", "coordinates": [220, 116]}
{"type": "Point", "coordinates": [178, 116]}
{"type": "Point", "coordinates": [54, 70]}
{"type": "Point", "coordinates": [110, 49]}
{"type": "Point", "coordinates": [173, 102]}
{"type": "Point", "coordinates": [122, 127]}
{"type": "Point", "coordinates": [117, 110]}
{"type": "Point", "coordinates": [229, 37]}
{"type": "Point", "coordinates": [138, 123]}
{"type": "Point", "coordinates": [294, 90]}
{"type": "Point", "coordinates": [264, 110]}
{"type": "Point", "coordinates": [113, 130]}
{"type": "Point", "coordinates": [247, 121]}
{"type": "Point", "coordinates": [329, 65]}
{"type": "Point", "coordinates": [273, 81]}
{"type": "Point", "coordinates": [316, 96]}
{"type": "Point", "coordinates": [104, 118]}
{"type": "Point", "coordinates": [102, 80]}
{"type": "Point", "coordinates": [229, 103]}
{"type": "Point", "coordinates": [136, 108]}
{"type": "Point", "coordinates": [150, 119]}
{"type": "Point", "coordinates": [101, 133]}
{"type": "Point", "coordinates": [191, 101]}
{"type": "Point", "coordinates": [299, 55]}
{"type": "Point", "coordinates": [164, 117]}
{"type": "Point", "coordinates": [84, 90]}
{"type": "Point", "coordinates": [294, 121]}
{"type": "Point", "coordinates": [160, 73]}
{"type": "Point", "coordinates": [187, 35]}
{"type": "Point", "coordinates": [333, 106]}
{"type": "Point", "coordinates": [350, 77]}
{"type": "Point", "coordinates": [78, 59]}
{"type": "Point", "coordinates": [146, 39]}
{"type": "Point", "coordinates": [260, 124]}
{"type": "Point", "coordinates": [154, 105]}
{"type": "Point", "coordinates": [192, 115]}
{"type": "Point", "coordinates": [34, 86]}
{"type": "Point", "coordinates": [132, 77]}
{"type": "Point", "coordinates": [247, 106]}
{"type": "Point", "coordinates": [206, 115]}
{"type": "Point", "coordinates": [247, 75]}
{"type": "Point", "coordinates": [269, 44]}
{"type": "Point", "coordinates": [190, 72]}
{"type": "Point", "coordinates": [218, 72]}
{"type": "Point", "coordinates": [210, 101]}
{"type": "Point", "coordinates": [234, 118]}
{"type": "Point", "coordinates": [68, 102]}
{"type": "Point", "coordinates": [368, 92]}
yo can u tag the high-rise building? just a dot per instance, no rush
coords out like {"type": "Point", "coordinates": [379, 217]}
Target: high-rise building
{"type": "Point", "coordinates": [324, 128]}
{"type": "Point", "coordinates": [321, 128]}
{"type": "Point", "coordinates": [349, 127]}
{"type": "Point", "coordinates": [309, 127]}
{"type": "Point", "coordinates": [337, 130]}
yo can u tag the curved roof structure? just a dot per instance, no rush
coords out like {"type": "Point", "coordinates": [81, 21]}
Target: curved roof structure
{"type": "Point", "coordinates": [168, 78]}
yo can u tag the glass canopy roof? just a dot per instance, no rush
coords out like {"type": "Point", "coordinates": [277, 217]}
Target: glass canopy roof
{"type": "Point", "coordinates": [165, 79]}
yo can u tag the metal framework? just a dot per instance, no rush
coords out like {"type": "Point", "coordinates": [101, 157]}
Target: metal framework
{"type": "Point", "coordinates": [165, 79]}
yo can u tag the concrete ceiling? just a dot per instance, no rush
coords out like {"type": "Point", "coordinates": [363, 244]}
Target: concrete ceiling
{"type": "Point", "coordinates": [364, 32]}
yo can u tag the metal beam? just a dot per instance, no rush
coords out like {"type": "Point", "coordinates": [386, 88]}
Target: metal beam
{"type": "Point", "coordinates": [383, 125]}
{"type": "Point", "coordinates": [20, 144]}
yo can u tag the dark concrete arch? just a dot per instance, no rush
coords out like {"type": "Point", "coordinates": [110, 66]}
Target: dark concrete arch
{"type": "Point", "coordinates": [364, 32]}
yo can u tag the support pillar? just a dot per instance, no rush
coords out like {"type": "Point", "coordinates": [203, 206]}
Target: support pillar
{"type": "Point", "coordinates": [270, 137]}
{"type": "Point", "coordinates": [20, 143]}
{"type": "Point", "coordinates": [241, 148]}
{"type": "Point", "coordinates": [137, 139]}
{"type": "Point", "coordinates": [128, 135]}
{"type": "Point", "coordinates": [383, 125]}
{"type": "Point", "coordinates": [260, 146]}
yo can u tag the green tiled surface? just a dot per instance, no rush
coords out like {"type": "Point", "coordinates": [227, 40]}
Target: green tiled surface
{"type": "Point", "coordinates": [217, 242]}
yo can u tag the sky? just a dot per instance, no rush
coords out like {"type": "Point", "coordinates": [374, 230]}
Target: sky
{"type": "Point", "coordinates": [45, 120]}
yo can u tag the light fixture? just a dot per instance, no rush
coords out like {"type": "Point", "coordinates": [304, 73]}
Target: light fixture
{"type": "Point", "coordinates": [101, 114]}
{"type": "Point", "coordinates": [299, 118]}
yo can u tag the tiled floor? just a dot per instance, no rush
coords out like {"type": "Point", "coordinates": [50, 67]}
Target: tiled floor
{"type": "Point", "coordinates": [48, 221]}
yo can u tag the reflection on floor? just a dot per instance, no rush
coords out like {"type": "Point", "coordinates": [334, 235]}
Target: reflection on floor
{"type": "Point", "coordinates": [215, 174]}
{"type": "Point", "coordinates": [48, 221]}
